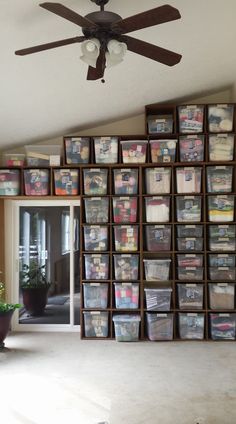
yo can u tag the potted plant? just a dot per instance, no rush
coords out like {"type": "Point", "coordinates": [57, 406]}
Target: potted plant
{"type": "Point", "coordinates": [6, 312]}
{"type": "Point", "coordinates": [34, 286]}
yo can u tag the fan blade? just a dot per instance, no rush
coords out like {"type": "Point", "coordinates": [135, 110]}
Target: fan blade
{"type": "Point", "coordinates": [48, 46]}
{"type": "Point", "coordinates": [156, 16]}
{"type": "Point", "coordinates": [68, 14]}
{"type": "Point", "coordinates": [151, 51]}
{"type": "Point", "coordinates": [98, 72]}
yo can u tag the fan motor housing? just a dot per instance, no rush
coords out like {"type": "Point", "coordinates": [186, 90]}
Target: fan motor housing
{"type": "Point", "coordinates": [103, 20]}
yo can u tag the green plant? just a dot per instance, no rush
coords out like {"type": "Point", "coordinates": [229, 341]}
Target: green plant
{"type": "Point", "coordinates": [33, 276]}
{"type": "Point", "coordinates": [6, 307]}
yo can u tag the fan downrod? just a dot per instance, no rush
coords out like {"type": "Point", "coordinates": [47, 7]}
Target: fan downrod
{"type": "Point", "coordinates": [100, 3]}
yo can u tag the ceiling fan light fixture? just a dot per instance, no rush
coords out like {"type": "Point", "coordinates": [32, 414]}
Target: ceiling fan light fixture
{"type": "Point", "coordinates": [116, 52]}
{"type": "Point", "coordinates": [90, 51]}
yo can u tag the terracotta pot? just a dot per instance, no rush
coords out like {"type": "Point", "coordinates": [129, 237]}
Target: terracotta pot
{"type": "Point", "coordinates": [35, 300]}
{"type": "Point", "coordinates": [5, 321]}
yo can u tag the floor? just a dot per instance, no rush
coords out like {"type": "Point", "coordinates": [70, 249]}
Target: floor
{"type": "Point", "coordinates": [57, 378]}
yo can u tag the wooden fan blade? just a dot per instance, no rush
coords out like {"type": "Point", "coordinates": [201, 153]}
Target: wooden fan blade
{"type": "Point", "coordinates": [98, 72]}
{"type": "Point", "coordinates": [156, 16]}
{"type": "Point", "coordinates": [151, 51]}
{"type": "Point", "coordinates": [49, 46]}
{"type": "Point", "coordinates": [68, 14]}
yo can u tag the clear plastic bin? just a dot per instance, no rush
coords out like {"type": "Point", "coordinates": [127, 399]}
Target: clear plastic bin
{"type": "Point", "coordinates": [125, 209]}
{"type": "Point", "coordinates": [95, 324]}
{"type": "Point", "coordinates": [96, 237]}
{"type": "Point", "coordinates": [160, 326]}
{"type": "Point", "coordinates": [191, 118]}
{"type": "Point", "coordinates": [191, 148]}
{"type": "Point", "coordinates": [96, 266]}
{"type": "Point", "coordinates": [189, 180]}
{"type": "Point", "coordinates": [95, 295]}
{"type": "Point", "coordinates": [126, 267]}
{"type": "Point", "coordinates": [191, 326]}
{"type": "Point", "coordinates": [126, 327]}
{"type": "Point", "coordinates": [66, 182]}
{"type": "Point", "coordinates": [106, 149]}
{"type": "Point", "coordinates": [158, 180]}
{"type": "Point", "coordinates": [160, 124]}
{"type": "Point", "coordinates": [189, 230]}
{"type": "Point", "coordinates": [190, 273]}
{"type": "Point", "coordinates": [222, 260]}
{"type": "Point", "coordinates": [222, 273]}
{"type": "Point", "coordinates": [126, 238]}
{"type": "Point", "coordinates": [158, 237]}
{"type": "Point", "coordinates": [134, 151]}
{"type": "Point", "coordinates": [43, 155]}
{"type": "Point", "coordinates": [190, 260]}
{"type": "Point", "coordinates": [36, 182]}
{"type": "Point", "coordinates": [163, 150]}
{"type": "Point", "coordinates": [95, 181]}
{"type": "Point", "coordinates": [127, 295]}
{"type": "Point", "coordinates": [221, 147]}
{"type": "Point", "coordinates": [13, 159]}
{"type": "Point", "coordinates": [126, 181]}
{"type": "Point", "coordinates": [223, 244]}
{"type": "Point", "coordinates": [158, 299]}
{"type": "Point", "coordinates": [189, 243]}
{"type": "Point", "coordinates": [221, 208]}
{"type": "Point", "coordinates": [157, 269]}
{"type": "Point", "coordinates": [190, 296]}
{"type": "Point", "coordinates": [222, 231]}
{"type": "Point", "coordinates": [189, 208]}
{"type": "Point", "coordinates": [157, 209]}
{"type": "Point", "coordinates": [9, 182]}
{"type": "Point", "coordinates": [96, 210]}
{"type": "Point", "coordinates": [223, 326]}
{"type": "Point", "coordinates": [77, 150]}
{"type": "Point", "coordinates": [219, 179]}
{"type": "Point", "coordinates": [220, 118]}
{"type": "Point", "coordinates": [221, 295]}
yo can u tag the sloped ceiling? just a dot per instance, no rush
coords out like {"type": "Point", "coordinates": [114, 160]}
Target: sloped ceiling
{"type": "Point", "coordinates": [46, 94]}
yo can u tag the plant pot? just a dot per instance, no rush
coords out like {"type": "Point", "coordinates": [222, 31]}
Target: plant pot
{"type": "Point", "coordinates": [35, 300]}
{"type": "Point", "coordinates": [5, 321]}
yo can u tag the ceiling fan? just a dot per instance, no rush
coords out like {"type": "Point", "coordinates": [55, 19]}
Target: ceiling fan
{"type": "Point", "coordinates": [103, 41]}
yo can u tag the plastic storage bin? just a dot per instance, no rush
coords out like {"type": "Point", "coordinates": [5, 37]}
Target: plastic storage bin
{"type": "Point", "coordinates": [127, 295]}
{"type": "Point", "coordinates": [222, 231]}
{"type": "Point", "coordinates": [36, 182]}
{"type": "Point", "coordinates": [158, 237]}
{"type": "Point", "coordinates": [221, 147]}
{"type": "Point", "coordinates": [106, 149]}
{"type": "Point", "coordinates": [188, 208]}
{"type": "Point", "coordinates": [222, 326]}
{"type": "Point", "coordinates": [190, 273]}
{"type": "Point", "coordinates": [223, 244]}
{"type": "Point", "coordinates": [221, 208]}
{"type": "Point", "coordinates": [159, 326]}
{"type": "Point", "coordinates": [66, 182]}
{"type": "Point", "coordinates": [126, 267]}
{"type": "Point", "coordinates": [157, 209]}
{"type": "Point", "coordinates": [158, 180]}
{"type": "Point", "coordinates": [95, 295]}
{"type": "Point", "coordinates": [221, 295]}
{"type": "Point", "coordinates": [190, 260]}
{"type": "Point", "coordinates": [190, 296]}
{"type": "Point", "coordinates": [96, 237]}
{"type": "Point", "coordinates": [158, 299]}
{"type": "Point", "coordinates": [163, 150]}
{"type": "Point", "coordinates": [126, 238]}
{"type": "Point", "coordinates": [124, 209]}
{"type": "Point", "coordinates": [95, 324]}
{"type": "Point", "coordinates": [13, 159]}
{"type": "Point", "coordinates": [157, 269]}
{"type": "Point", "coordinates": [222, 260]}
{"type": "Point", "coordinates": [9, 182]}
{"type": "Point", "coordinates": [191, 326]}
{"type": "Point", "coordinates": [219, 179]}
{"type": "Point", "coordinates": [191, 118]}
{"type": "Point", "coordinates": [134, 151]}
{"type": "Point", "coordinates": [77, 150]}
{"type": "Point", "coordinates": [160, 124]}
{"type": "Point", "coordinates": [126, 327]}
{"type": "Point", "coordinates": [43, 155]}
{"type": "Point", "coordinates": [189, 230]}
{"type": "Point", "coordinates": [189, 243]}
{"type": "Point", "coordinates": [96, 266]}
{"type": "Point", "coordinates": [191, 148]}
{"type": "Point", "coordinates": [222, 273]}
{"type": "Point", "coordinates": [126, 181]}
{"type": "Point", "coordinates": [220, 118]}
{"type": "Point", "coordinates": [188, 180]}
{"type": "Point", "coordinates": [96, 209]}
{"type": "Point", "coordinates": [95, 181]}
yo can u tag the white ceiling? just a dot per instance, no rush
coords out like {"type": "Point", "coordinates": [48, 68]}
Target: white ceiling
{"type": "Point", "coordinates": [46, 94]}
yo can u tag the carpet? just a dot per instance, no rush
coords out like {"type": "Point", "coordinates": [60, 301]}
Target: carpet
{"type": "Point", "coordinates": [57, 300]}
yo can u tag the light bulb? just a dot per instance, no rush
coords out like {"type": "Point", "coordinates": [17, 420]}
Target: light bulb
{"type": "Point", "coordinates": [90, 46]}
